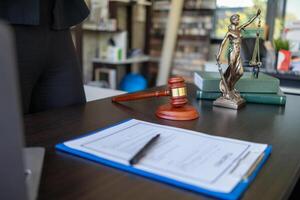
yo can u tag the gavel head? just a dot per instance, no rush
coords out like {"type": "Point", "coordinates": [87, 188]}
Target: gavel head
{"type": "Point", "coordinates": [178, 93]}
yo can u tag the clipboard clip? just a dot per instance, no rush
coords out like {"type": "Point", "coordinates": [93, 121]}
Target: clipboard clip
{"type": "Point", "coordinates": [252, 167]}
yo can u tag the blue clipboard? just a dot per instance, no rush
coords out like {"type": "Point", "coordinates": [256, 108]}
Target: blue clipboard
{"type": "Point", "coordinates": [236, 193]}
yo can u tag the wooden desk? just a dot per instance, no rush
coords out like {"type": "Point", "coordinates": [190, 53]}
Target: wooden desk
{"type": "Point", "coordinates": [69, 177]}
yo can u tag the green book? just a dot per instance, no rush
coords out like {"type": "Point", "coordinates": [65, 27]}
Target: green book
{"type": "Point", "coordinates": [209, 82]}
{"type": "Point", "coordinates": [264, 98]}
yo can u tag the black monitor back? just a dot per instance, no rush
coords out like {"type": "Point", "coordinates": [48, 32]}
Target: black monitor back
{"type": "Point", "coordinates": [12, 177]}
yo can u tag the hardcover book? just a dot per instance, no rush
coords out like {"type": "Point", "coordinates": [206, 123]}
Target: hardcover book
{"type": "Point", "coordinates": [263, 98]}
{"type": "Point", "coordinates": [209, 82]}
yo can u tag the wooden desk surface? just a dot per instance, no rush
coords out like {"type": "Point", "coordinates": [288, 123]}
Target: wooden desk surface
{"type": "Point", "coordinates": [69, 177]}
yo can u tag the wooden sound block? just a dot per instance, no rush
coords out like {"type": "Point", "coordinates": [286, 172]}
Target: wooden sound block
{"type": "Point", "coordinates": [170, 112]}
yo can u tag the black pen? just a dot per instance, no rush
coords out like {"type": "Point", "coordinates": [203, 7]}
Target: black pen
{"type": "Point", "coordinates": [141, 153]}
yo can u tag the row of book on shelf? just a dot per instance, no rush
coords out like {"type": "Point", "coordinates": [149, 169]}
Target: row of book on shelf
{"type": "Point", "coordinates": [263, 90]}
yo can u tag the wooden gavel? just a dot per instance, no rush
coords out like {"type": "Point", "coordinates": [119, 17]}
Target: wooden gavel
{"type": "Point", "coordinates": [177, 109]}
{"type": "Point", "coordinates": [176, 90]}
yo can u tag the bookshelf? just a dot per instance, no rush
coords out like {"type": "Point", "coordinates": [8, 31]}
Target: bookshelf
{"type": "Point", "coordinates": [193, 37]}
{"type": "Point", "coordinates": [91, 38]}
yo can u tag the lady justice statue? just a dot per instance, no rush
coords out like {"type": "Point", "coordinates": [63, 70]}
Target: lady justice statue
{"type": "Point", "coordinates": [231, 97]}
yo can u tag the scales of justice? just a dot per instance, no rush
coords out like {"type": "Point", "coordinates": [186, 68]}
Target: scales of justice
{"type": "Point", "coordinates": [231, 98]}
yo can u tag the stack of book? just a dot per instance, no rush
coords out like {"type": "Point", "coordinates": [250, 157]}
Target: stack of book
{"type": "Point", "coordinates": [263, 90]}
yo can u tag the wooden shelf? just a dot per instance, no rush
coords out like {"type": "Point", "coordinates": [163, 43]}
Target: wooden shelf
{"type": "Point", "coordinates": [93, 27]}
{"type": "Point", "coordinates": [155, 59]}
{"type": "Point", "coordinates": [186, 40]}
{"type": "Point", "coordinates": [130, 2]}
{"type": "Point", "coordinates": [184, 37]}
{"type": "Point", "coordinates": [122, 2]}
{"type": "Point", "coordinates": [192, 37]}
{"type": "Point", "coordinates": [207, 10]}
{"type": "Point", "coordinates": [204, 10]}
{"type": "Point", "coordinates": [138, 59]}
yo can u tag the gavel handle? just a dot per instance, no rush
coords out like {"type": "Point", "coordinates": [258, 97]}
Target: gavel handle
{"type": "Point", "coordinates": [140, 95]}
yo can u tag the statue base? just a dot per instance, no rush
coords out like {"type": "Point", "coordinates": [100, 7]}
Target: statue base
{"type": "Point", "coordinates": [230, 103]}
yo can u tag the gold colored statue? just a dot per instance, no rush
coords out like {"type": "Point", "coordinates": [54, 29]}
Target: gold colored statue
{"type": "Point", "coordinates": [231, 97]}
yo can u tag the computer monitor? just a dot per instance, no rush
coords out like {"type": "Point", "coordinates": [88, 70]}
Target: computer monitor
{"type": "Point", "coordinates": [20, 168]}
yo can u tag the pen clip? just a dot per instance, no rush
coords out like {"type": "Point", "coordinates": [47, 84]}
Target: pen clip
{"type": "Point", "coordinates": [253, 167]}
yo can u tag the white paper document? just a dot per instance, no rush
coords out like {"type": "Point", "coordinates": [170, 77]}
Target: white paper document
{"type": "Point", "coordinates": [210, 162]}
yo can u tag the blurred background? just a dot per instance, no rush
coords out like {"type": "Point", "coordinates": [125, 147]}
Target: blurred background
{"type": "Point", "coordinates": [121, 44]}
